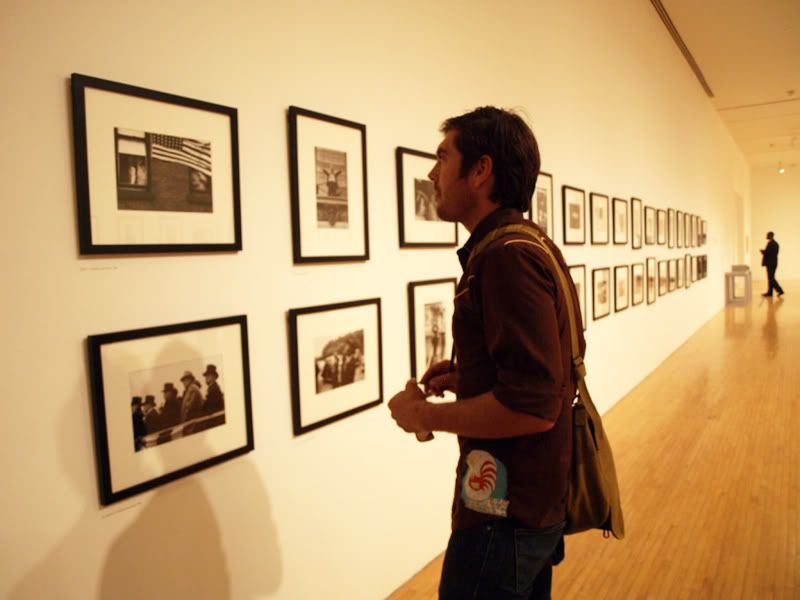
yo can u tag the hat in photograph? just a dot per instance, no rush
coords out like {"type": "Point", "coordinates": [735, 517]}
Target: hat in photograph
{"type": "Point", "coordinates": [149, 400]}
{"type": "Point", "coordinates": [211, 370]}
{"type": "Point", "coordinates": [136, 400]}
{"type": "Point", "coordinates": [168, 387]}
{"type": "Point", "coordinates": [187, 375]}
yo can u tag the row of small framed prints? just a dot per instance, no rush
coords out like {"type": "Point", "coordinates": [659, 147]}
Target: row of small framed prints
{"type": "Point", "coordinates": [156, 172]}
{"type": "Point", "coordinates": [669, 227]}
{"type": "Point", "coordinates": [633, 283]}
{"type": "Point", "coordinates": [171, 400]}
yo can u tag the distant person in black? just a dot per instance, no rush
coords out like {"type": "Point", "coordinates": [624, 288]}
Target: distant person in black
{"type": "Point", "coordinates": [769, 259]}
{"type": "Point", "coordinates": [139, 428]}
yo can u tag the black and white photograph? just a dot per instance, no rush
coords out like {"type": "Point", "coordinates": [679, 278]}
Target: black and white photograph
{"type": "Point", "coordinates": [420, 225]}
{"type": "Point", "coordinates": [331, 171]}
{"type": "Point", "coordinates": [679, 229]}
{"type": "Point", "coordinates": [328, 181]}
{"type": "Point", "coordinates": [430, 312]}
{"type": "Point", "coordinates": [162, 172]}
{"type": "Point", "coordinates": [155, 172]}
{"type": "Point", "coordinates": [636, 223]}
{"type": "Point", "coordinates": [703, 232]}
{"type": "Point", "coordinates": [336, 362]}
{"type": "Point", "coordinates": [637, 287]}
{"type": "Point", "coordinates": [541, 211]}
{"type": "Point", "coordinates": [620, 218]}
{"type": "Point", "coordinates": [649, 225]}
{"type": "Point", "coordinates": [673, 275]}
{"type": "Point", "coordinates": [168, 401]}
{"type": "Point", "coordinates": [621, 287]}
{"type": "Point", "coordinates": [662, 277]}
{"type": "Point", "coordinates": [601, 293]}
{"type": "Point", "coordinates": [574, 205]}
{"type": "Point", "coordinates": [600, 218]}
{"type": "Point", "coordinates": [652, 275]}
{"type": "Point", "coordinates": [339, 361]}
{"type": "Point", "coordinates": [687, 230]}
{"type": "Point", "coordinates": [662, 226]}
{"type": "Point", "coordinates": [578, 274]}
{"type": "Point", "coordinates": [671, 231]}
{"type": "Point", "coordinates": [695, 268]}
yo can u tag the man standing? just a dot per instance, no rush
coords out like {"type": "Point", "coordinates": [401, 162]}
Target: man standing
{"type": "Point", "coordinates": [215, 401]}
{"type": "Point", "coordinates": [769, 259]}
{"type": "Point", "coordinates": [152, 419]}
{"type": "Point", "coordinates": [192, 401]}
{"type": "Point", "coordinates": [171, 413]}
{"type": "Point", "coordinates": [513, 374]}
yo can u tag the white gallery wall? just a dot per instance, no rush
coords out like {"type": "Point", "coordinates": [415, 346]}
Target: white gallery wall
{"type": "Point", "coordinates": [355, 508]}
{"type": "Point", "coordinates": [776, 208]}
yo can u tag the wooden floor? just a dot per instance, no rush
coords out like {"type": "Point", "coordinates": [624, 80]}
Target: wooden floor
{"type": "Point", "coordinates": [708, 458]}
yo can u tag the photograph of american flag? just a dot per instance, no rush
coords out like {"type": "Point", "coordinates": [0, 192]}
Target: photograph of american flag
{"type": "Point", "coordinates": [192, 153]}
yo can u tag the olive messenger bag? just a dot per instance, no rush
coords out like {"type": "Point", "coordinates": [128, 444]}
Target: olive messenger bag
{"type": "Point", "coordinates": [593, 500]}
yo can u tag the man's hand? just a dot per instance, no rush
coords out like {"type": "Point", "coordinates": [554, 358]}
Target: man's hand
{"type": "Point", "coordinates": [439, 379]}
{"type": "Point", "coordinates": [407, 407]}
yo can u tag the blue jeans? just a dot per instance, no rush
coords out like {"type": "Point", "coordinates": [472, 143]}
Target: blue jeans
{"type": "Point", "coordinates": [499, 560]}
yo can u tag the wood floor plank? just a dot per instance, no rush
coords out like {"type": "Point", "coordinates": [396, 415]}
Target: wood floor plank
{"type": "Point", "coordinates": [708, 459]}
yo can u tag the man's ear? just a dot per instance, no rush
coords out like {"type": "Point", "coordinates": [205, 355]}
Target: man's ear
{"type": "Point", "coordinates": [482, 171]}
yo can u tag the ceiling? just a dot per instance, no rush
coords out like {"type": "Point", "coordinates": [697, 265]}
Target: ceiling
{"type": "Point", "coordinates": [748, 52]}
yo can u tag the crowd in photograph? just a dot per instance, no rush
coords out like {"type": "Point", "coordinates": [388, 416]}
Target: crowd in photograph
{"type": "Point", "coordinates": [192, 409]}
{"type": "Point", "coordinates": [341, 363]}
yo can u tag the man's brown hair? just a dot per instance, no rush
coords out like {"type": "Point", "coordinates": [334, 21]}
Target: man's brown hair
{"type": "Point", "coordinates": [505, 137]}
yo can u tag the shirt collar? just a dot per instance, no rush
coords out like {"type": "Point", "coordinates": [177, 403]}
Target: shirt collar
{"type": "Point", "coordinates": [495, 219]}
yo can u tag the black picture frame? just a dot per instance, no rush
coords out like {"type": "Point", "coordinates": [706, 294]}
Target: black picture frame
{"type": "Point", "coordinates": [573, 203]}
{"type": "Point", "coordinates": [661, 219]}
{"type": "Point", "coordinates": [541, 210]}
{"type": "Point", "coordinates": [652, 279]}
{"type": "Point", "coordinates": [325, 227]}
{"type": "Point", "coordinates": [578, 274]}
{"type": "Point", "coordinates": [687, 267]}
{"type": "Point", "coordinates": [649, 225]}
{"type": "Point", "coordinates": [621, 288]}
{"type": "Point", "coordinates": [671, 229]}
{"type": "Point", "coordinates": [663, 281]}
{"type": "Point", "coordinates": [430, 311]}
{"type": "Point", "coordinates": [172, 182]}
{"type": "Point", "coordinates": [601, 293]}
{"type": "Point", "coordinates": [679, 229]}
{"type": "Point", "coordinates": [636, 223]}
{"type": "Point", "coordinates": [119, 391]}
{"type": "Point", "coordinates": [419, 226]}
{"type": "Point", "coordinates": [638, 284]}
{"type": "Point", "coordinates": [344, 336]}
{"type": "Point", "coordinates": [599, 211]}
{"type": "Point", "coordinates": [620, 216]}
{"type": "Point", "coordinates": [673, 274]}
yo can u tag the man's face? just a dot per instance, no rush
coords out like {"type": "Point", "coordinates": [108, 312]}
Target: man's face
{"type": "Point", "coordinates": [209, 379]}
{"type": "Point", "coordinates": [452, 193]}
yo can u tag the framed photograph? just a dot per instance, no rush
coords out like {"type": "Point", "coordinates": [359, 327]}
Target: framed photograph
{"type": "Point", "coordinates": [695, 268]}
{"type": "Point", "coordinates": [419, 224]}
{"type": "Point", "coordinates": [328, 171]}
{"type": "Point", "coordinates": [679, 229]}
{"type": "Point", "coordinates": [168, 401]}
{"type": "Point", "coordinates": [541, 211]}
{"type": "Point", "coordinates": [687, 266]}
{"type": "Point", "coordinates": [336, 362]}
{"type": "Point", "coordinates": [578, 274]}
{"type": "Point", "coordinates": [703, 232]}
{"type": "Point", "coordinates": [621, 287]}
{"type": "Point", "coordinates": [703, 264]}
{"type": "Point", "coordinates": [649, 225]}
{"type": "Point", "coordinates": [671, 232]}
{"type": "Point", "coordinates": [601, 293]}
{"type": "Point", "coordinates": [637, 287]}
{"type": "Point", "coordinates": [687, 230]}
{"type": "Point", "coordinates": [662, 277]}
{"type": "Point", "coordinates": [154, 172]}
{"type": "Point", "coordinates": [430, 312]}
{"type": "Point", "coordinates": [696, 224]}
{"type": "Point", "coordinates": [673, 274]}
{"type": "Point", "coordinates": [680, 263]}
{"type": "Point", "coordinates": [574, 205]}
{"type": "Point", "coordinates": [620, 217]}
{"type": "Point", "coordinates": [636, 223]}
{"type": "Point", "coordinates": [662, 226]}
{"type": "Point", "coordinates": [599, 208]}
{"type": "Point", "coordinates": [651, 280]}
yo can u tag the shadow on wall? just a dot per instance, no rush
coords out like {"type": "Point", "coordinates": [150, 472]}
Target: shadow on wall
{"type": "Point", "coordinates": [214, 540]}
